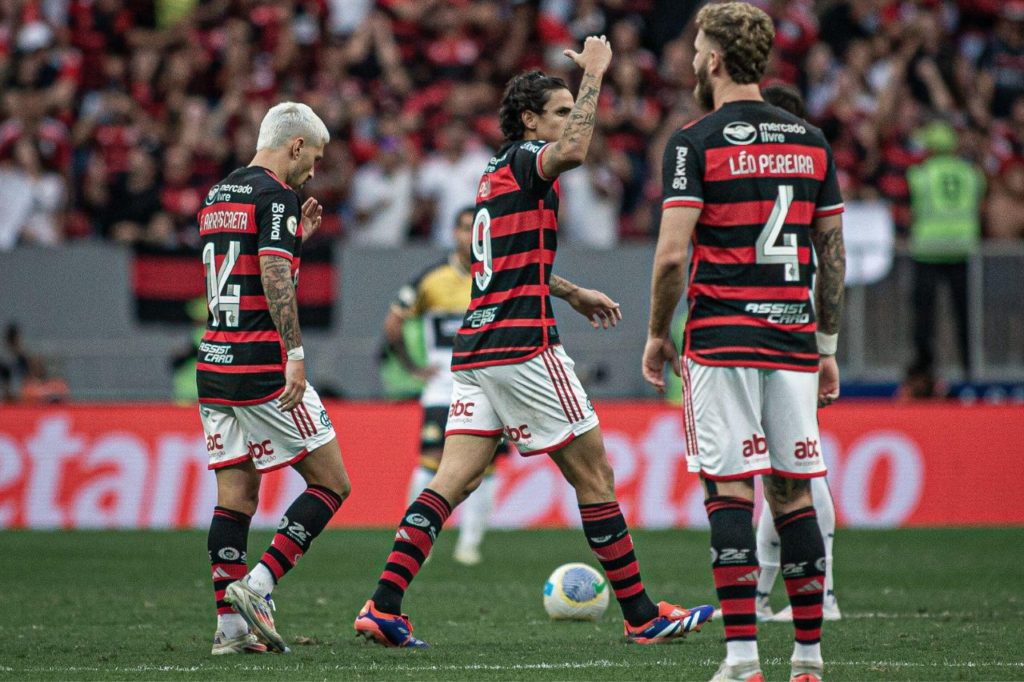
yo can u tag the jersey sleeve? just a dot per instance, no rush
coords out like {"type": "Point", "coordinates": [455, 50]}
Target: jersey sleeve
{"type": "Point", "coordinates": [278, 220]}
{"type": "Point", "coordinates": [830, 201]}
{"type": "Point", "coordinates": [526, 168]}
{"type": "Point", "coordinates": [681, 173]}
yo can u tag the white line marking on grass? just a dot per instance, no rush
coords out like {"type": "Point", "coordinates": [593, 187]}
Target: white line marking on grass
{"type": "Point", "coordinates": [515, 667]}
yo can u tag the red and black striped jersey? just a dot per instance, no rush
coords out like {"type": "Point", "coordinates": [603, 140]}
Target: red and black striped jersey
{"type": "Point", "coordinates": [509, 318]}
{"type": "Point", "coordinates": [760, 177]}
{"type": "Point", "coordinates": [249, 214]}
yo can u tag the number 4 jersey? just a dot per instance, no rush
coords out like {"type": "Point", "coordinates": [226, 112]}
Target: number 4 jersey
{"type": "Point", "coordinates": [249, 214]}
{"type": "Point", "coordinates": [760, 176]}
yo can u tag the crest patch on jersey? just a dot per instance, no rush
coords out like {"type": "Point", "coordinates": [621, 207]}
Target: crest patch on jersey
{"type": "Point", "coordinates": [739, 132]}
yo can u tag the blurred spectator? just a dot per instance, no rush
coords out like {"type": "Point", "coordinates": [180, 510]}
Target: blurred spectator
{"type": "Point", "coordinates": [592, 195]}
{"type": "Point", "coordinates": [946, 194]}
{"type": "Point", "coordinates": [88, 85]}
{"type": "Point", "coordinates": [1006, 202]}
{"type": "Point", "coordinates": [14, 362]}
{"type": "Point", "coordinates": [448, 178]}
{"type": "Point", "coordinates": [25, 377]}
{"type": "Point", "coordinates": [382, 198]}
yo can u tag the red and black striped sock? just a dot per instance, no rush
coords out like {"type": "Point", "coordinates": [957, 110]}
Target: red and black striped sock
{"type": "Point", "coordinates": [226, 543]}
{"type": "Point", "coordinates": [609, 538]}
{"type": "Point", "coordinates": [803, 570]}
{"type": "Point", "coordinates": [734, 564]}
{"type": "Point", "coordinates": [305, 519]}
{"type": "Point", "coordinates": [417, 533]}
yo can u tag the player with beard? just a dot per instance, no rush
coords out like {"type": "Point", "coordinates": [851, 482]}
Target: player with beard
{"type": "Point", "coordinates": [751, 188]}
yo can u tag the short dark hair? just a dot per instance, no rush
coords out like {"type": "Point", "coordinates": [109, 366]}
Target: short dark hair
{"type": "Point", "coordinates": [528, 91]}
{"type": "Point", "coordinates": [785, 97]}
{"type": "Point", "coordinates": [468, 208]}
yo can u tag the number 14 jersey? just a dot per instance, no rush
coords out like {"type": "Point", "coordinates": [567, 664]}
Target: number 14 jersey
{"type": "Point", "coordinates": [760, 176]}
{"type": "Point", "coordinates": [249, 214]}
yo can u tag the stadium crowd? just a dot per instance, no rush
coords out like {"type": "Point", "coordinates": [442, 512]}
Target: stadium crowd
{"type": "Point", "coordinates": [117, 116]}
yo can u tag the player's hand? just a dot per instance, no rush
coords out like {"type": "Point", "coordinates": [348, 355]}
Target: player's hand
{"type": "Point", "coordinates": [312, 215]}
{"type": "Point", "coordinates": [828, 380]}
{"type": "Point", "coordinates": [294, 385]}
{"type": "Point", "coordinates": [424, 373]}
{"type": "Point", "coordinates": [596, 55]}
{"type": "Point", "coordinates": [602, 311]}
{"type": "Point", "coordinates": [657, 352]}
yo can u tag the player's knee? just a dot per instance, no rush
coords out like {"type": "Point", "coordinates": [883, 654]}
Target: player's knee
{"type": "Point", "coordinates": [240, 499]}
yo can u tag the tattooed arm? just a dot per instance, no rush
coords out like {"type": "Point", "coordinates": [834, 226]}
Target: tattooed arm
{"type": "Point", "coordinates": [570, 149]}
{"type": "Point", "coordinates": [827, 235]}
{"type": "Point", "coordinates": [276, 275]}
{"type": "Point", "coordinates": [590, 303]}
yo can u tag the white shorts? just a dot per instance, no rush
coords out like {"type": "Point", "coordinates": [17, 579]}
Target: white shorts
{"type": "Point", "coordinates": [742, 421]}
{"type": "Point", "coordinates": [539, 404]}
{"type": "Point", "coordinates": [264, 434]}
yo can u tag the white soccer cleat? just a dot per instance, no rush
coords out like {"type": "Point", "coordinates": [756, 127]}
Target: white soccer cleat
{"type": "Point", "coordinates": [807, 671]}
{"type": "Point", "coordinates": [257, 611]}
{"type": "Point", "coordinates": [741, 672]}
{"type": "Point", "coordinates": [243, 644]}
{"type": "Point", "coordinates": [467, 556]}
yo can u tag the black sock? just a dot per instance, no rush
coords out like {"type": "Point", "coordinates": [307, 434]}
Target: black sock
{"type": "Point", "coordinates": [305, 519]}
{"type": "Point", "coordinates": [226, 544]}
{"type": "Point", "coordinates": [421, 524]}
{"type": "Point", "coordinates": [803, 570]}
{"type": "Point", "coordinates": [609, 539]}
{"type": "Point", "coordinates": [734, 563]}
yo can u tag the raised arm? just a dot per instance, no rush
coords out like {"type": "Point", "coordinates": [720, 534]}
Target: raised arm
{"type": "Point", "coordinates": [570, 149]}
{"type": "Point", "coordinates": [275, 273]}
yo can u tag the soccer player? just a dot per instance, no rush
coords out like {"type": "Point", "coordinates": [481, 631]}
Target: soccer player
{"type": "Point", "coordinates": [511, 373]}
{"type": "Point", "coordinates": [437, 298]}
{"type": "Point", "coordinates": [258, 411]}
{"type": "Point", "coordinates": [752, 187]}
{"type": "Point", "coordinates": [789, 98]}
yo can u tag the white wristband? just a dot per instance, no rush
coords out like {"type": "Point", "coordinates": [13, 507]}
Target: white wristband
{"type": "Point", "coordinates": [827, 343]}
{"type": "Point", "coordinates": [296, 354]}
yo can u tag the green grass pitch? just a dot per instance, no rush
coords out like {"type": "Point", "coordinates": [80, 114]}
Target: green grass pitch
{"type": "Point", "coordinates": [917, 605]}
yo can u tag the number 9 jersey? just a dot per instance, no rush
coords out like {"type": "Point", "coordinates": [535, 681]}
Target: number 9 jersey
{"type": "Point", "coordinates": [760, 177]}
{"type": "Point", "coordinates": [509, 319]}
{"type": "Point", "coordinates": [249, 214]}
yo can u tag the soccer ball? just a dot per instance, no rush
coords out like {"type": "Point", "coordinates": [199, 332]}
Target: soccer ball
{"type": "Point", "coordinates": [575, 592]}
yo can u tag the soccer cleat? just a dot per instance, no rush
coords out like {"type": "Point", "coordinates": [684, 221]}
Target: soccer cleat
{"type": "Point", "coordinates": [467, 556]}
{"type": "Point", "coordinates": [386, 629]}
{"type": "Point", "coordinates": [807, 671]}
{"type": "Point", "coordinates": [749, 671]}
{"type": "Point", "coordinates": [243, 644]}
{"type": "Point", "coordinates": [672, 622]}
{"type": "Point", "coordinates": [257, 611]}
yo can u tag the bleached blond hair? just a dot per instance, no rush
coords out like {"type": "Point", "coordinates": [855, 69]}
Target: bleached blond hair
{"type": "Point", "coordinates": [288, 120]}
